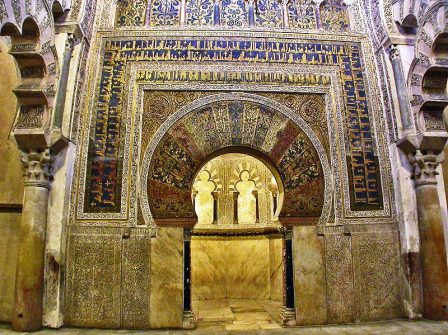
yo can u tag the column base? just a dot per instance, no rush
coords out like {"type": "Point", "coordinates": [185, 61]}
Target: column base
{"type": "Point", "coordinates": [188, 320]}
{"type": "Point", "coordinates": [288, 317]}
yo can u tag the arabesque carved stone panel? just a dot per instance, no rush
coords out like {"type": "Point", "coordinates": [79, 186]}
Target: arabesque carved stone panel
{"type": "Point", "coordinates": [94, 277]}
{"type": "Point", "coordinates": [340, 289]}
{"type": "Point", "coordinates": [378, 291]}
{"type": "Point", "coordinates": [136, 274]}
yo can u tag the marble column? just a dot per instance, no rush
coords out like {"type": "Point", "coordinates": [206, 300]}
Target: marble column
{"type": "Point", "coordinates": [189, 320]}
{"type": "Point", "coordinates": [433, 256]}
{"type": "Point", "coordinates": [288, 313]}
{"type": "Point", "coordinates": [28, 297]}
{"type": "Point", "coordinates": [400, 86]}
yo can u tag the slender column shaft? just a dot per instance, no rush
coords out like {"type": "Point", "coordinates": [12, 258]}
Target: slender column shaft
{"type": "Point", "coordinates": [432, 241]}
{"type": "Point", "coordinates": [189, 320]}
{"type": "Point", "coordinates": [289, 277]}
{"type": "Point", "coordinates": [288, 314]}
{"type": "Point", "coordinates": [251, 12]}
{"type": "Point", "coordinates": [183, 12]}
{"type": "Point", "coordinates": [400, 85]}
{"type": "Point", "coordinates": [285, 13]}
{"type": "Point", "coordinates": [216, 13]}
{"type": "Point", "coordinates": [187, 275]}
{"type": "Point", "coordinates": [28, 297]}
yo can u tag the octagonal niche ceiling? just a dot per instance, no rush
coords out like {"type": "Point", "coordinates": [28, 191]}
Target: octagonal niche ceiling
{"type": "Point", "coordinates": [238, 124]}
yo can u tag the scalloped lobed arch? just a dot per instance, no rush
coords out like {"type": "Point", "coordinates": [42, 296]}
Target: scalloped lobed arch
{"type": "Point", "coordinates": [428, 57]}
{"type": "Point", "coordinates": [16, 13]}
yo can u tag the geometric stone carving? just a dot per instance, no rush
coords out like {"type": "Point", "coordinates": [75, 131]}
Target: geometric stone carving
{"type": "Point", "coordinates": [376, 265]}
{"type": "Point", "coordinates": [339, 279]}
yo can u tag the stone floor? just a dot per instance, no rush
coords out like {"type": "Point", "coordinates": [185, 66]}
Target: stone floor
{"type": "Point", "coordinates": [237, 314]}
{"type": "Point", "coordinates": [260, 317]}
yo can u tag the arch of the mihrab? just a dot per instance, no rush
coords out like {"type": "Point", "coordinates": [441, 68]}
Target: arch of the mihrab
{"type": "Point", "coordinates": [193, 150]}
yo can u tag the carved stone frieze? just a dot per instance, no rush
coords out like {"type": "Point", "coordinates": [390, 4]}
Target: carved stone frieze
{"type": "Point", "coordinates": [417, 100]}
{"type": "Point", "coordinates": [433, 121]}
{"type": "Point", "coordinates": [416, 79]}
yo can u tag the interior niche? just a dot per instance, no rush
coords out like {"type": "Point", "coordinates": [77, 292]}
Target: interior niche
{"type": "Point", "coordinates": [236, 191]}
{"type": "Point", "coordinates": [236, 248]}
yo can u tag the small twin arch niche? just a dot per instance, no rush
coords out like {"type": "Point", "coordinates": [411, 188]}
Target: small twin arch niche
{"type": "Point", "coordinates": [235, 190]}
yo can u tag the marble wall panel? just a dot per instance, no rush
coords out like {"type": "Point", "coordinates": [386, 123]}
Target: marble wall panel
{"type": "Point", "coordinates": [309, 276]}
{"type": "Point", "coordinates": [9, 233]}
{"type": "Point", "coordinates": [208, 269]}
{"type": "Point", "coordinates": [378, 290]}
{"type": "Point", "coordinates": [340, 301]}
{"type": "Point", "coordinates": [166, 301]}
{"type": "Point", "coordinates": [248, 269]}
{"type": "Point", "coordinates": [276, 269]}
{"type": "Point", "coordinates": [94, 278]}
{"type": "Point", "coordinates": [235, 268]}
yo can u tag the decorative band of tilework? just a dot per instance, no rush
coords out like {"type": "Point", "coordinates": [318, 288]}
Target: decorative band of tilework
{"type": "Point", "coordinates": [103, 186]}
{"type": "Point", "coordinates": [330, 15]}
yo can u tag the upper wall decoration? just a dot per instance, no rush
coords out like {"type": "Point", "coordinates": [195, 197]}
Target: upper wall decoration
{"type": "Point", "coordinates": [334, 15]}
{"type": "Point", "coordinates": [330, 15]}
{"type": "Point", "coordinates": [105, 175]}
{"type": "Point", "coordinates": [131, 13]}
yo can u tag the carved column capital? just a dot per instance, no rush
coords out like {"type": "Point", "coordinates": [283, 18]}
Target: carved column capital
{"type": "Point", "coordinates": [394, 53]}
{"type": "Point", "coordinates": [37, 168]}
{"type": "Point", "coordinates": [70, 42]}
{"type": "Point", "coordinates": [287, 233]}
{"type": "Point", "coordinates": [188, 232]}
{"type": "Point", "coordinates": [424, 167]}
